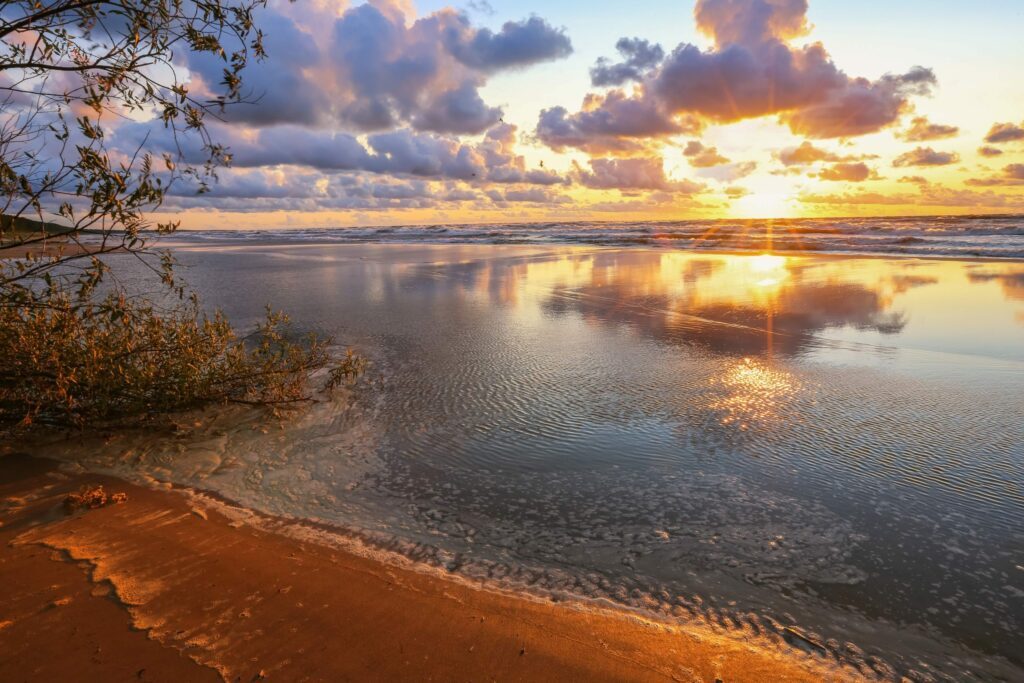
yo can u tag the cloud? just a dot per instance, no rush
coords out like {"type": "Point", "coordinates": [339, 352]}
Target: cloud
{"type": "Point", "coordinates": [614, 123]}
{"type": "Point", "coordinates": [1004, 132]}
{"type": "Point", "coordinates": [752, 70]}
{"type": "Point", "coordinates": [922, 130]}
{"type": "Point", "coordinates": [403, 152]}
{"type": "Point", "coordinates": [987, 151]}
{"type": "Point", "coordinates": [373, 67]}
{"type": "Point", "coordinates": [534, 195]}
{"type": "Point", "coordinates": [261, 190]}
{"type": "Point", "coordinates": [861, 106]}
{"type": "Point", "coordinates": [849, 172]}
{"type": "Point", "coordinates": [505, 165]}
{"type": "Point", "coordinates": [914, 179]}
{"type": "Point", "coordinates": [639, 57]}
{"type": "Point", "coordinates": [933, 195]}
{"type": "Point", "coordinates": [460, 110]}
{"type": "Point", "coordinates": [632, 174]}
{"type": "Point", "coordinates": [370, 92]}
{"type": "Point", "coordinates": [806, 154]}
{"type": "Point", "coordinates": [703, 157]}
{"type": "Point", "coordinates": [1012, 174]}
{"type": "Point", "coordinates": [728, 173]}
{"type": "Point", "coordinates": [518, 44]}
{"type": "Point", "coordinates": [925, 156]}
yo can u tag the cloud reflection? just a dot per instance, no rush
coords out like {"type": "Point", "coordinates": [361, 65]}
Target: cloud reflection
{"type": "Point", "coordinates": [729, 304]}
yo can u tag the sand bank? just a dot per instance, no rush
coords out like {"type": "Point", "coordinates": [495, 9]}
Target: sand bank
{"type": "Point", "coordinates": [159, 588]}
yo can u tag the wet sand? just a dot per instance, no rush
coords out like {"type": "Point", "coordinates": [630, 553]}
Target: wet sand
{"type": "Point", "coordinates": [166, 587]}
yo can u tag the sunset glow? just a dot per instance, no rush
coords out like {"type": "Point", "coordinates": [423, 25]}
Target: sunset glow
{"type": "Point", "coordinates": [520, 113]}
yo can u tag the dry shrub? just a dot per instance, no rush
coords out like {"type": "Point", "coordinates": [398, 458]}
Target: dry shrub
{"type": "Point", "coordinates": [74, 362]}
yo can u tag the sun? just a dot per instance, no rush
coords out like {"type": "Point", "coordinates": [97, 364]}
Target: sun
{"type": "Point", "coordinates": [764, 205]}
{"type": "Point", "coordinates": [767, 263]}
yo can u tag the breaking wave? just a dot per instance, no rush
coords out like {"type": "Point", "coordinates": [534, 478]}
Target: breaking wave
{"type": "Point", "coordinates": [948, 236]}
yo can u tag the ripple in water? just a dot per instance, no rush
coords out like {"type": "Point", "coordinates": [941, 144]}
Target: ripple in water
{"type": "Point", "coordinates": [827, 450]}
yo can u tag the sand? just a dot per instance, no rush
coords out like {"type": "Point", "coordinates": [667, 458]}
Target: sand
{"type": "Point", "coordinates": [160, 588]}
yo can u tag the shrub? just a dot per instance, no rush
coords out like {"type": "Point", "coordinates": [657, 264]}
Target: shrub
{"type": "Point", "coordinates": [72, 362]}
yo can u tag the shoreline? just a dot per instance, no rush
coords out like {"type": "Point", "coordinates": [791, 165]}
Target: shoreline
{"type": "Point", "coordinates": [195, 594]}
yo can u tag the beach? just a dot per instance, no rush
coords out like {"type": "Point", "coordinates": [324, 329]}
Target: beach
{"type": "Point", "coordinates": [680, 459]}
{"type": "Point", "coordinates": [163, 587]}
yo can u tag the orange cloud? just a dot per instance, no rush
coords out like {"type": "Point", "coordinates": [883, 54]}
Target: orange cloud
{"type": "Point", "coordinates": [703, 157]}
{"type": "Point", "coordinates": [1013, 174]}
{"type": "Point", "coordinates": [807, 154]}
{"type": "Point", "coordinates": [1004, 132]}
{"type": "Point", "coordinates": [925, 156]}
{"type": "Point", "coordinates": [922, 130]}
{"type": "Point", "coordinates": [853, 173]}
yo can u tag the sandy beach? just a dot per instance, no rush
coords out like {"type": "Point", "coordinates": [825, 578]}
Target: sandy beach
{"type": "Point", "coordinates": [159, 588]}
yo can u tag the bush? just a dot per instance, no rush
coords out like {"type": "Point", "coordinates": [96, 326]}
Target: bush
{"type": "Point", "coordinates": [69, 362]}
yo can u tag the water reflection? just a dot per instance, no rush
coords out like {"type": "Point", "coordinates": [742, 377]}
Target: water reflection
{"type": "Point", "coordinates": [1012, 281]}
{"type": "Point", "coordinates": [744, 305]}
{"type": "Point", "coordinates": [831, 439]}
{"type": "Point", "coordinates": [754, 392]}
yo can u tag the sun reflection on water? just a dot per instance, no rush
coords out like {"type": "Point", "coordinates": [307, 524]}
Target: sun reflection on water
{"type": "Point", "coordinates": [754, 391]}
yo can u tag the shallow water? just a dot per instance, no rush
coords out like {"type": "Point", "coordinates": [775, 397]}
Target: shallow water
{"type": "Point", "coordinates": [758, 441]}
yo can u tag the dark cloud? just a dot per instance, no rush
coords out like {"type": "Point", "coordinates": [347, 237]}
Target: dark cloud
{"type": "Point", "coordinates": [459, 110]}
{"type": "Point", "coordinates": [860, 106]}
{"type": "Point", "coordinates": [613, 123]}
{"type": "Point", "coordinates": [261, 190]}
{"type": "Point", "coordinates": [638, 58]}
{"type": "Point", "coordinates": [401, 153]}
{"type": "Point", "coordinates": [925, 156]}
{"type": "Point", "coordinates": [374, 68]}
{"type": "Point", "coordinates": [923, 130]}
{"type": "Point", "coordinates": [1004, 132]}
{"type": "Point", "coordinates": [278, 87]}
{"type": "Point", "coordinates": [987, 151]}
{"type": "Point", "coordinates": [258, 190]}
{"type": "Point", "coordinates": [753, 70]}
{"type": "Point", "coordinates": [517, 44]}
{"type": "Point", "coordinates": [632, 174]}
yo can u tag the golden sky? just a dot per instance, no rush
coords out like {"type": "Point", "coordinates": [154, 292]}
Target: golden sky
{"type": "Point", "coordinates": [385, 113]}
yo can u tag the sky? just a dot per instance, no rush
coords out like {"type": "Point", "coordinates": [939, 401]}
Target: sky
{"type": "Point", "coordinates": [392, 112]}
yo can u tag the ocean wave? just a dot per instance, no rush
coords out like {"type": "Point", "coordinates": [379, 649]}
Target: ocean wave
{"type": "Point", "coordinates": [948, 236]}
